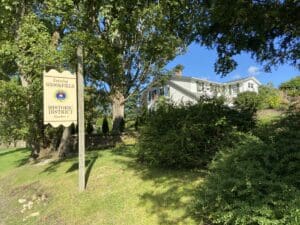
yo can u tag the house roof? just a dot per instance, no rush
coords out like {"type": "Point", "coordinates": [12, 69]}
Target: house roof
{"type": "Point", "coordinates": [195, 79]}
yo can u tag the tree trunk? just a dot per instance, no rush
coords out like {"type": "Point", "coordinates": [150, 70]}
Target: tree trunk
{"type": "Point", "coordinates": [65, 145]}
{"type": "Point", "coordinates": [118, 109]}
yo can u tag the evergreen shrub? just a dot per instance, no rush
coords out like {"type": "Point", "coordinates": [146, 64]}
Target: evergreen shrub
{"type": "Point", "coordinates": [105, 128]}
{"type": "Point", "coordinates": [255, 182]}
{"type": "Point", "coordinates": [187, 136]}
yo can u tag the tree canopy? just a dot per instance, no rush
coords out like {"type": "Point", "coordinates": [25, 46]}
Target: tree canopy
{"type": "Point", "coordinates": [269, 30]}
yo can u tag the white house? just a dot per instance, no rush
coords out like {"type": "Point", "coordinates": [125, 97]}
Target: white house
{"type": "Point", "coordinates": [181, 89]}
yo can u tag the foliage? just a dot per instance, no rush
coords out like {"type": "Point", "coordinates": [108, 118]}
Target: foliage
{"type": "Point", "coordinates": [178, 68]}
{"type": "Point", "coordinates": [13, 111]}
{"type": "Point", "coordinates": [21, 114]}
{"type": "Point", "coordinates": [124, 43]}
{"type": "Point", "coordinates": [29, 53]}
{"type": "Point", "coordinates": [257, 181]}
{"type": "Point", "coordinates": [269, 97]}
{"type": "Point", "coordinates": [292, 87]}
{"type": "Point", "coordinates": [246, 103]}
{"type": "Point", "coordinates": [132, 107]}
{"type": "Point", "coordinates": [36, 135]}
{"type": "Point", "coordinates": [122, 125]}
{"type": "Point", "coordinates": [187, 135]}
{"type": "Point", "coordinates": [266, 29]}
{"type": "Point", "coordinates": [248, 100]}
{"type": "Point", "coordinates": [20, 119]}
{"type": "Point", "coordinates": [89, 128]}
{"type": "Point", "coordinates": [105, 128]}
{"type": "Point", "coordinates": [92, 102]}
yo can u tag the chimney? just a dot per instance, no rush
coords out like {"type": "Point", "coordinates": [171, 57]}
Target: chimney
{"type": "Point", "coordinates": [178, 73]}
{"type": "Point", "coordinates": [178, 70]}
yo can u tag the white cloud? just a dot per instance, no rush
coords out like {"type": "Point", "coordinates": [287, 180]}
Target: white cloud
{"type": "Point", "coordinates": [253, 71]}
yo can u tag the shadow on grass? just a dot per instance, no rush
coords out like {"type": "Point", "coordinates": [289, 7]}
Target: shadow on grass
{"type": "Point", "coordinates": [24, 160]}
{"type": "Point", "coordinates": [89, 163]}
{"type": "Point", "coordinates": [7, 152]}
{"type": "Point", "coordinates": [172, 193]}
{"type": "Point", "coordinates": [89, 168]}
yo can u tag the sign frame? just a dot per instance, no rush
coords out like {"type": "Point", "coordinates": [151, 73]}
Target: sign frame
{"type": "Point", "coordinates": [60, 98]}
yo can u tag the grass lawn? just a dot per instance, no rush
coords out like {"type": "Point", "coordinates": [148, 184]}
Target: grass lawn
{"type": "Point", "coordinates": [119, 191]}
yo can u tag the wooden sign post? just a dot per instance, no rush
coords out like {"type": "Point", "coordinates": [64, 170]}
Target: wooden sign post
{"type": "Point", "coordinates": [81, 134]}
{"type": "Point", "coordinates": [64, 105]}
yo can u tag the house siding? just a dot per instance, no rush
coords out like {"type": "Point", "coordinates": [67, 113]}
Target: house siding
{"type": "Point", "coordinates": [179, 98]}
{"type": "Point", "coordinates": [187, 89]}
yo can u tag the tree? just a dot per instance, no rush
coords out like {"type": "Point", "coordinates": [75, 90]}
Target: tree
{"type": "Point", "coordinates": [133, 42]}
{"type": "Point", "coordinates": [13, 111]}
{"type": "Point", "coordinates": [29, 43]}
{"type": "Point", "coordinates": [125, 43]}
{"type": "Point", "coordinates": [269, 30]}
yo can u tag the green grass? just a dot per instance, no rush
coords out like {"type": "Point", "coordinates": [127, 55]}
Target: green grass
{"type": "Point", "coordinates": [119, 191]}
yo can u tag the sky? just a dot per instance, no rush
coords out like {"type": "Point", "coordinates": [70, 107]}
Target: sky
{"type": "Point", "coordinates": [199, 62]}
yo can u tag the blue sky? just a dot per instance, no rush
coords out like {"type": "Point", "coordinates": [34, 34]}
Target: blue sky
{"type": "Point", "coordinates": [199, 62]}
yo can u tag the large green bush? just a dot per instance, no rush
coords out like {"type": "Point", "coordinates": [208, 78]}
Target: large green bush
{"type": "Point", "coordinates": [292, 87]}
{"type": "Point", "coordinates": [186, 136]}
{"type": "Point", "coordinates": [13, 111]}
{"type": "Point", "coordinates": [248, 100]}
{"type": "Point", "coordinates": [257, 181]}
{"type": "Point", "coordinates": [269, 97]}
{"type": "Point", "coordinates": [247, 104]}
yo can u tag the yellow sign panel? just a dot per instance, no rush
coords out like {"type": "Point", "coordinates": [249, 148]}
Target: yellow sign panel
{"type": "Point", "coordinates": [60, 98]}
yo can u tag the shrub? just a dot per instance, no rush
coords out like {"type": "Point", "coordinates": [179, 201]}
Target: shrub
{"type": "Point", "coordinates": [122, 125]}
{"type": "Point", "coordinates": [186, 136]}
{"type": "Point", "coordinates": [269, 97]}
{"type": "Point", "coordinates": [247, 104]}
{"type": "Point", "coordinates": [89, 128]}
{"type": "Point", "coordinates": [257, 181]}
{"type": "Point", "coordinates": [247, 101]}
{"type": "Point", "coordinates": [292, 87]}
{"type": "Point", "coordinates": [105, 128]}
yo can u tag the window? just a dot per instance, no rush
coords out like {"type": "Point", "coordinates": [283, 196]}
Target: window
{"type": "Point", "coordinates": [162, 92]}
{"type": "Point", "coordinates": [200, 86]}
{"type": "Point", "coordinates": [224, 89]}
{"type": "Point", "coordinates": [234, 90]}
{"type": "Point", "coordinates": [250, 85]}
{"type": "Point", "coordinates": [167, 91]}
{"type": "Point", "coordinates": [154, 94]}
